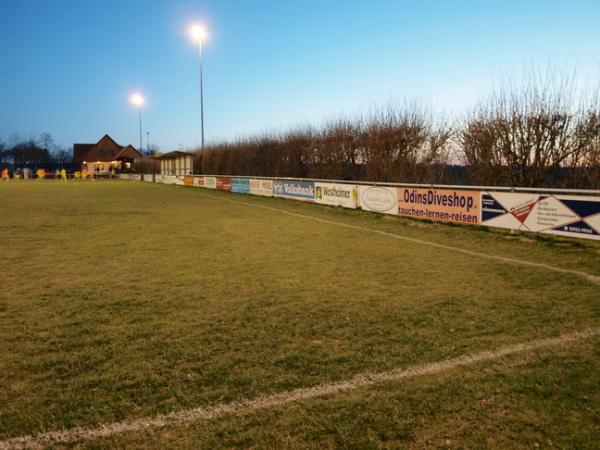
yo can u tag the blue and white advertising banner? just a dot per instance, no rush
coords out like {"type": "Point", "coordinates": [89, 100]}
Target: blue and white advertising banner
{"type": "Point", "coordinates": [565, 215]}
{"type": "Point", "coordinates": [336, 194]}
{"type": "Point", "coordinates": [240, 185]}
{"type": "Point", "coordinates": [378, 199]}
{"type": "Point", "coordinates": [302, 190]}
{"type": "Point", "coordinates": [261, 187]}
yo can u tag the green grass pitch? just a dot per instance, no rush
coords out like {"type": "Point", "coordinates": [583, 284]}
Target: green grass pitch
{"type": "Point", "coordinates": [124, 300]}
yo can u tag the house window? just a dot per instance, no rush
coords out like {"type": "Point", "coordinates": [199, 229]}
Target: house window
{"type": "Point", "coordinates": [111, 152]}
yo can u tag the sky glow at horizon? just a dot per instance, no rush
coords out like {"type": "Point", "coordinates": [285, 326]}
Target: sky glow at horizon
{"type": "Point", "coordinates": [68, 67]}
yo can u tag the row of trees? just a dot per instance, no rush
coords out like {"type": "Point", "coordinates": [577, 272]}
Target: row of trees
{"type": "Point", "coordinates": [538, 133]}
{"type": "Point", "coordinates": [391, 145]}
{"type": "Point", "coordinates": [37, 151]}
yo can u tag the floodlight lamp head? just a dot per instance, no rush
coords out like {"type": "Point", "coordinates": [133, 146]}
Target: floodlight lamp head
{"type": "Point", "coordinates": [137, 100]}
{"type": "Point", "coordinates": [198, 33]}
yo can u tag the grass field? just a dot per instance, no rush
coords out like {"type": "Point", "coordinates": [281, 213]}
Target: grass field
{"type": "Point", "coordinates": [124, 300]}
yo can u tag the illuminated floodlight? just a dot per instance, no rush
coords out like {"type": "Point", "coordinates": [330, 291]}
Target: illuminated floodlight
{"type": "Point", "coordinates": [198, 33]}
{"type": "Point", "coordinates": [137, 99]}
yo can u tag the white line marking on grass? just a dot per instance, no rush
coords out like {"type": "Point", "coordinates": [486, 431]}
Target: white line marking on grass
{"type": "Point", "coordinates": [282, 398]}
{"type": "Point", "coordinates": [592, 278]}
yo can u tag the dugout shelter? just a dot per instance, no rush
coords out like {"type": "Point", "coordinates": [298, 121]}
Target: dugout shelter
{"type": "Point", "coordinates": [176, 163]}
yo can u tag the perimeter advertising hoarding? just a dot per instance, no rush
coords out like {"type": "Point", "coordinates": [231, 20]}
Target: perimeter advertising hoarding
{"type": "Point", "coordinates": [261, 187]}
{"type": "Point", "coordinates": [131, 176]}
{"type": "Point", "coordinates": [240, 185]}
{"type": "Point", "coordinates": [378, 199]}
{"type": "Point", "coordinates": [210, 182]}
{"type": "Point", "coordinates": [188, 180]}
{"type": "Point", "coordinates": [199, 181]}
{"type": "Point", "coordinates": [301, 190]}
{"type": "Point", "coordinates": [565, 215]}
{"type": "Point", "coordinates": [169, 179]}
{"type": "Point", "coordinates": [336, 194]}
{"type": "Point", "coordinates": [445, 205]}
{"type": "Point", "coordinates": [224, 183]}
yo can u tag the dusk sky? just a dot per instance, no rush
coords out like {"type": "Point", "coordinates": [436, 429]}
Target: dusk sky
{"type": "Point", "coordinates": [68, 67]}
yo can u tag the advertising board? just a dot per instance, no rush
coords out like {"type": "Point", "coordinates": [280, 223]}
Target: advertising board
{"type": "Point", "coordinates": [301, 190]}
{"type": "Point", "coordinates": [210, 182]}
{"type": "Point", "coordinates": [188, 180]}
{"type": "Point", "coordinates": [565, 215]}
{"type": "Point", "coordinates": [336, 194]}
{"type": "Point", "coordinates": [445, 205]}
{"type": "Point", "coordinates": [224, 183]}
{"type": "Point", "coordinates": [261, 187]}
{"type": "Point", "coordinates": [169, 179]}
{"type": "Point", "coordinates": [378, 199]}
{"type": "Point", "coordinates": [240, 185]}
{"type": "Point", "coordinates": [199, 181]}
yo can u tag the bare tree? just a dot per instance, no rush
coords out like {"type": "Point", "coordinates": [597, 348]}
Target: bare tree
{"type": "Point", "coordinates": [523, 133]}
{"type": "Point", "coordinates": [585, 163]}
{"type": "Point", "coordinates": [402, 142]}
{"type": "Point", "coordinates": [45, 140]}
{"type": "Point", "coordinates": [146, 164]}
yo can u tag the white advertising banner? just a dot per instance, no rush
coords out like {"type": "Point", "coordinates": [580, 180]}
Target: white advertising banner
{"type": "Point", "coordinates": [565, 215]}
{"type": "Point", "coordinates": [210, 182]}
{"type": "Point", "coordinates": [198, 182]}
{"type": "Point", "coordinates": [169, 179]}
{"type": "Point", "coordinates": [336, 194]}
{"type": "Point", "coordinates": [378, 199]}
{"type": "Point", "coordinates": [261, 187]}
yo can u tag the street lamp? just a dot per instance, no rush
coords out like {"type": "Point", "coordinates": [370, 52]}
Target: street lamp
{"type": "Point", "coordinates": [138, 101]}
{"type": "Point", "coordinates": [199, 34]}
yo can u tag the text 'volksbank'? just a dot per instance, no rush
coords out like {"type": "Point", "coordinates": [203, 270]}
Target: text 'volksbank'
{"type": "Point", "coordinates": [294, 189]}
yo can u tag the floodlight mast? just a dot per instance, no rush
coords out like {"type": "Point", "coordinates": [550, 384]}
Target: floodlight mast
{"type": "Point", "coordinates": [138, 101]}
{"type": "Point", "coordinates": [199, 34]}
